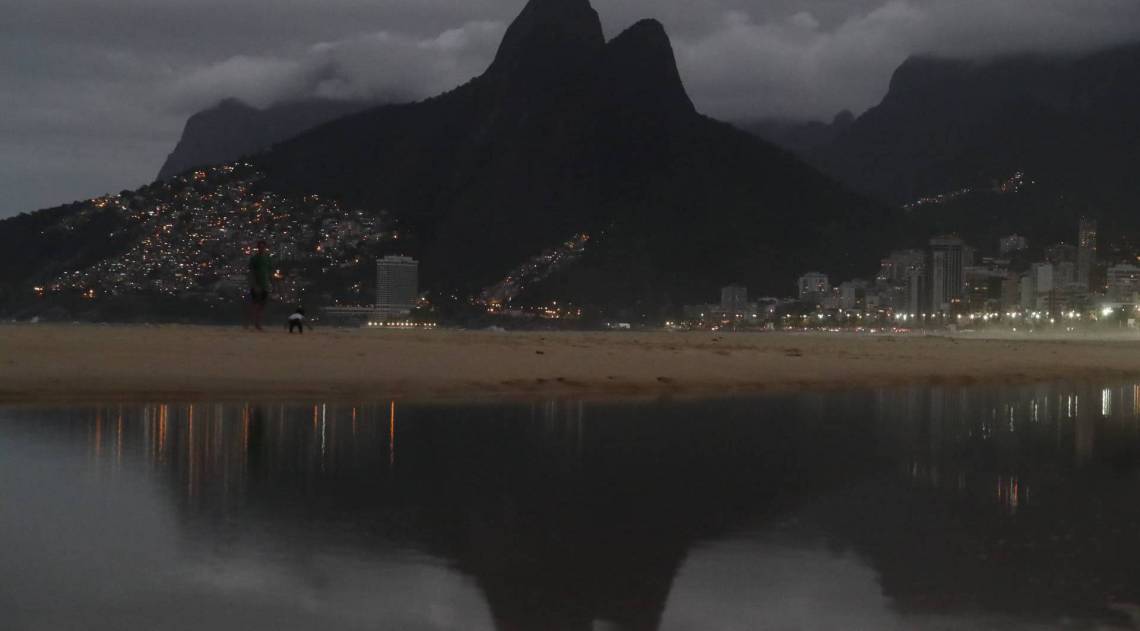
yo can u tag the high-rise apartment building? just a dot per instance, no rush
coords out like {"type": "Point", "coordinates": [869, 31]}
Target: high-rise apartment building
{"type": "Point", "coordinates": [734, 300]}
{"type": "Point", "coordinates": [853, 294]}
{"type": "Point", "coordinates": [397, 285]}
{"type": "Point", "coordinates": [896, 268]}
{"type": "Point", "coordinates": [1123, 283]}
{"type": "Point", "coordinates": [916, 291]}
{"type": "Point", "coordinates": [813, 285]}
{"type": "Point", "coordinates": [1011, 291]}
{"type": "Point", "coordinates": [1044, 286]}
{"type": "Point", "coordinates": [945, 273]}
{"type": "Point", "coordinates": [1086, 251]}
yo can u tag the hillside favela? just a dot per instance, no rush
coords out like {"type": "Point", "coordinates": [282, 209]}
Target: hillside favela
{"type": "Point", "coordinates": [570, 315]}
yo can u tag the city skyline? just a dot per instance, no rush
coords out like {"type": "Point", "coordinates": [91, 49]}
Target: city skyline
{"type": "Point", "coordinates": [191, 253]}
{"type": "Point", "coordinates": [523, 208]}
{"type": "Point", "coordinates": [950, 283]}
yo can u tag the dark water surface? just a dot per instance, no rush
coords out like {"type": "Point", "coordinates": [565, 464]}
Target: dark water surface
{"type": "Point", "coordinates": [921, 508]}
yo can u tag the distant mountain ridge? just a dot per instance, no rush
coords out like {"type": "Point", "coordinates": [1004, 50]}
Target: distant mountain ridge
{"type": "Point", "coordinates": [799, 137]}
{"type": "Point", "coordinates": [1072, 122]}
{"type": "Point", "coordinates": [943, 124]}
{"type": "Point", "coordinates": [233, 129]}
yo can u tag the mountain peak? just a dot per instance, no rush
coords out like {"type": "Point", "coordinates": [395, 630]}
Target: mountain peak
{"type": "Point", "coordinates": [920, 74]}
{"type": "Point", "coordinates": [641, 69]}
{"type": "Point", "coordinates": [648, 36]}
{"type": "Point", "coordinates": [548, 38]}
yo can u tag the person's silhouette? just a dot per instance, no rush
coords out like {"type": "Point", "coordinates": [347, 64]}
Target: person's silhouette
{"type": "Point", "coordinates": [260, 276]}
{"type": "Point", "coordinates": [297, 321]}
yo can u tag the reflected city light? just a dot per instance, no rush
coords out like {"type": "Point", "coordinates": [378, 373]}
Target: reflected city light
{"type": "Point", "coordinates": [588, 504]}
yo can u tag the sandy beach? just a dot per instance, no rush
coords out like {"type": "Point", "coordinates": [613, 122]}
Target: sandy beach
{"type": "Point", "coordinates": [45, 363]}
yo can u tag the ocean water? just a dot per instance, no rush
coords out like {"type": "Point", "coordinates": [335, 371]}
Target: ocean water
{"type": "Point", "coordinates": [913, 508]}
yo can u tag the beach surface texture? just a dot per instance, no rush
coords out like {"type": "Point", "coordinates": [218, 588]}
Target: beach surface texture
{"type": "Point", "coordinates": [71, 363]}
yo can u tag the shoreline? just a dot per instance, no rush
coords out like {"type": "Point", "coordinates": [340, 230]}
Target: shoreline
{"type": "Point", "coordinates": [70, 364]}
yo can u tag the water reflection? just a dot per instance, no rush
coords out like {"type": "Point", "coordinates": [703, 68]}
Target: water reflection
{"type": "Point", "coordinates": [906, 508]}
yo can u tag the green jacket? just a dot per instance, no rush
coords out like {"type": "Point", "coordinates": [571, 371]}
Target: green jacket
{"type": "Point", "coordinates": [260, 271]}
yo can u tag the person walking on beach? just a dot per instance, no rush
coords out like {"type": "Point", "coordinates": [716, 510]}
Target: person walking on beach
{"type": "Point", "coordinates": [259, 284]}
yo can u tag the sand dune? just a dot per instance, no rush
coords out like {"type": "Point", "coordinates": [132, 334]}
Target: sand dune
{"type": "Point", "coordinates": [89, 362]}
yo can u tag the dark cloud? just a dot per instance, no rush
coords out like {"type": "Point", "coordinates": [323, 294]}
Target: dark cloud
{"type": "Point", "coordinates": [95, 92]}
{"type": "Point", "coordinates": [376, 65]}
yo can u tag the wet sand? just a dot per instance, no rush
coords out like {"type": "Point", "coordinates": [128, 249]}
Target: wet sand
{"type": "Point", "coordinates": [68, 363]}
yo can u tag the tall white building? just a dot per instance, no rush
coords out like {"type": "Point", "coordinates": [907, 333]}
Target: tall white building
{"type": "Point", "coordinates": [397, 285]}
{"type": "Point", "coordinates": [1043, 285]}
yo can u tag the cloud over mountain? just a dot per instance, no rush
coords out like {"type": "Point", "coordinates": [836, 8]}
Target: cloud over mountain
{"type": "Point", "coordinates": [381, 65]}
{"type": "Point", "coordinates": [96, 93]}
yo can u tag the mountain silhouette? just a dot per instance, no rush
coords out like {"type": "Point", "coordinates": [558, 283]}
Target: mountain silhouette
{"type": "Point", "coordinates": [568, 133]}
{"type": "Point", "coordinates": [1071, 123]}
{"type": "Point", "coordinates": [799, 137]}
{"type": "Point", "coordinates": [233, 129]}
{"type": "Point", "coordinates": [566, 34]}
{"type": "Point", "coordinates": [947, 123]}
{"type": "Point", "coordinates": [565, 134]}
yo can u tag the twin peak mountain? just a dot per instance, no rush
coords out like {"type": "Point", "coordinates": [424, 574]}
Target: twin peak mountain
{"type": "Point", "coordinates": [566, 133]}
{"type": "Point", "coordinates": [556, 44]}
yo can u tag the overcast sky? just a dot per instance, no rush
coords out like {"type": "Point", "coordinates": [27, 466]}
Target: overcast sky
{"type": "Point", "coordinates": [94, 93]}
